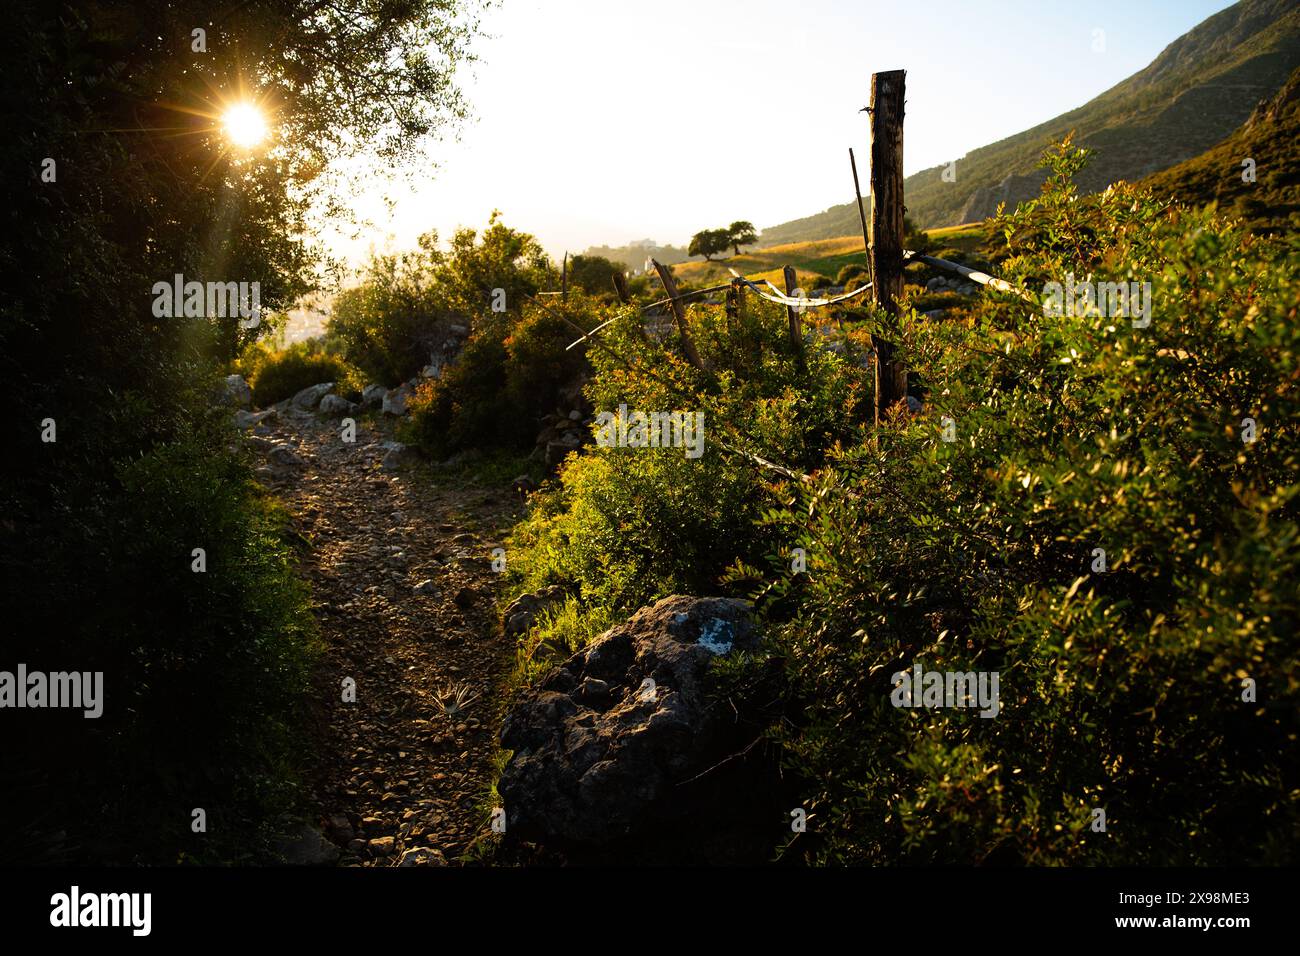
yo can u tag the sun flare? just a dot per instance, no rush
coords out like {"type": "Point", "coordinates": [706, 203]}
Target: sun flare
{"type": "Point", "coordinates": [245, 125]}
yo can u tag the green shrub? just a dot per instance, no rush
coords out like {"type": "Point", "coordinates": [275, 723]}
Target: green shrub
{"type": "Point", "coordinates": [401, 313]}
{"type": "Point", "coordinates": [1121, 689]}
{"type": "Point", "coordinates": [852, 271]}
{"type": "Point", "coordinates": [1123, 686]}
{"type": "Point", "coordinates": [857, 282]}
{"type": "Point", "coordinates": [467, 405]}
{"type": "Point", "coordinates": [625, 526]}
{"type": "Point", "coordinates": [204, 672]}
{"type": "Point", "coordinates": [277, 375]}
{"type": "Point", "coordinates": [391, 322]}
{"type": "Point", "coordinates": [594, 275]}
{"type": "Point", "coordinates": [511, 372]}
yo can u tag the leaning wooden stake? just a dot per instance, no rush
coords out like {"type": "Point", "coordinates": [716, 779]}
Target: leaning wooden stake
{"type": "Point", "coordinates": [792, 314]}
{"type": "Point", "coordinates": [887, 229]}
{"type": "Point", "coordinates": [862, 215]}
{"type": "Point", "coordinates": [679, 313]}
{"type": "Point", "coordinates": [564, 278]}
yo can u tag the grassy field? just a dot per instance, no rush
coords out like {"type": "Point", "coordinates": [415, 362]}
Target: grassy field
{"type": "Point", "coordinates": [816, 263]}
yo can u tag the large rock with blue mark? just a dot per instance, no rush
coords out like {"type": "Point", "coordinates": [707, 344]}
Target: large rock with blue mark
{"type": "Point", "coordinates": [602, 743]}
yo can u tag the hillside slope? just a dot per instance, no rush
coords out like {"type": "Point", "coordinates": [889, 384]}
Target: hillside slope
{"type": "Point", "coordinates": [1200, 89]}
{"type": "Point", "coordinates": [1271, 137]}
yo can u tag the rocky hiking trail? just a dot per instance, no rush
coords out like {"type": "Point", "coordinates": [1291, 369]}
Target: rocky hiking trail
{"type": "Point", "coordinates": [402, 586]}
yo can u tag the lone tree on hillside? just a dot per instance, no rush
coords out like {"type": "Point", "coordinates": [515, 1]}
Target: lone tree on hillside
{"type": "Point", "coordinates": [709, 242]}
{"type": "Point", "coordinates": [741, 233]}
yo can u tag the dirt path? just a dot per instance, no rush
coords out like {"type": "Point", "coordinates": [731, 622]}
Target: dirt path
{"type": "Point", "coordinates": [400, 570]}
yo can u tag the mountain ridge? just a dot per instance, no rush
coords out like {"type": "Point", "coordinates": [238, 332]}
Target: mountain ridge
{"type": "Point", "coordinates": [1200, 89]}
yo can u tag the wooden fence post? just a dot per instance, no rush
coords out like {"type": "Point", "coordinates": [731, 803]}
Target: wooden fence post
{"type": "Point", "coordinates": [887, 228]}
{"type": "Point", "coordinates": [564, 278]}
{"type": "Point", "coordinates": [621, 290]}
{"type": "Point", "coordinates": [679, 313]}
{"type": "Point", "coordinates": [796, 328]}
{"type": "Point", "coordinates": [746, 340]}
{"type": "Point", "coordinates": [734, 292]}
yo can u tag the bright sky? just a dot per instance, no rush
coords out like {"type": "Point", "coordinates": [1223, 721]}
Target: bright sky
{"type": "Point", "coordinates": [606, 121]}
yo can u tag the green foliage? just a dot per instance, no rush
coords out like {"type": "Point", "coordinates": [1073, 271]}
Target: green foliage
{"type": "Point", "coordinates": [400, 314]}
{"type": "Point", "coordinates": [1120, 690]}
{"type": "Point", "coordinates": [708, 243]}
{"type": "Point", "coordinates": [203, 672]}
{"type": "Point", "coordinates": [512, 371]}
{"type": "Point", "coordinates": [477, 264]}
{"type": "Point", "coordinates": [279, 374]}
{"type": "Point", "coordinates": [561, 631]}
{"type": "Point", "coordinates": [625, 526]}
{"type": "Point", "coordinates": [1267, 201]}
{"type": "Point", "coordinates": [741, 233]}
{"type": "Point", "coordinates": [390, 323]}
{"type": "Point", "coordinates": [852, 271]}
{"type": "Point", "coordinates": [915, 238]}
{"type": "Point", "coordinates": [594, 275]}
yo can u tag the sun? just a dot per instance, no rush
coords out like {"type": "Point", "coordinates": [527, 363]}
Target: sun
{"type": "Point", "coordinates": [245, 125]}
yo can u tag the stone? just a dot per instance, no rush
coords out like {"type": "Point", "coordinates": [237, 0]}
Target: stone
{"type": "Point", "coordinates": [593, 692]}
{"type": "Point", "coordinates": [310, 396]}
{"type": "Point", "coordinates": [304, 845]}
{"type": "Point", "coordinates": [395, 400]}
{"type": "Point", "coordinates": [372, 396]}
{"type": "Point", "coordinates": [422, 856]}
{"type": "Point", "coordinates": [238, 391]}
{"type": "Point", "coordinates": [464, 598]}
{"type": "Point", "coordinates": [257, 443]}
{"type": "Point", "coordinates": [382, 846]}
{"type": "Point", "coordinates": [337, 405]}
{"type": "Point", "coordinates": [426, 587]}
{"type": "Point", "coordinates": [603, 742]}
{"type": "Point", "coordinates": [522, 612]}
{"type": "Point", "coordinates": [396, 456]}
{"type": "Point", "coordinates": [285, 457]}
{"type": "Point", "coordinates": [245, 419]}
{"type": "Point", "coordinates": [340, 829]}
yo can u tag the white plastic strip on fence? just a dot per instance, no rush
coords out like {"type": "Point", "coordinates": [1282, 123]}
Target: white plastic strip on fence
{"type": "Point", "coordinates": [973, 274]}
{"type": "Point", "coordinates": [804, 303]}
